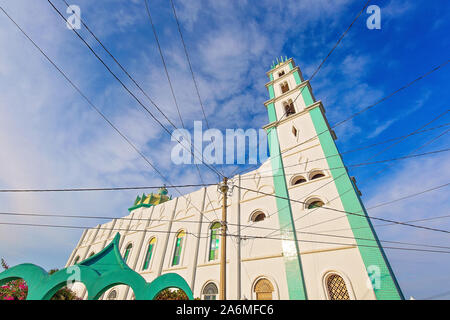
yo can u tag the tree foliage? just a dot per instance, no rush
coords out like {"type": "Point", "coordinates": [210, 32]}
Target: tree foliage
{"type": "Point", "coordinates": [172, 294]}
{"type": "Point", "coordinates": [18, 289]}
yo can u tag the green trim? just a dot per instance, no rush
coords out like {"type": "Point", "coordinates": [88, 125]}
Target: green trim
{"type": "Point", "coordinates": [148, 256]}
{"type": "Point", "coordinates": [271, 91]}
{"type": "Point", "coordinates": [140, 206]}
{"type": "Point", "coordinates": [127, 252]}
{"type": "Point", "coordinates": [306, 94]}
{"type": "Point", "coordinates": [291, 66]}
{"type": "Point", "coordinates": [361, 227]}
{"type": "Point", "coordinates": [177, 252]}
{"type": "Point", "coordinates": [271, 77]}
{"type": "Point", "coordinates": [214, 241]}
{"type": "Point", "coordinates": [100, 272]}
{"type": "Point", "coordinates": [291, 254]}
{"type": "Point", "coordinates": [297, 78]}
{"type": "Point", "coordinates": [272, 113]}
{"type": "Point", "coordinates": [307, 97]}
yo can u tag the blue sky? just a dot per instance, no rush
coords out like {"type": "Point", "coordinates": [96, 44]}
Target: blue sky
{"type": "Point", "coordinates": [50, 138]}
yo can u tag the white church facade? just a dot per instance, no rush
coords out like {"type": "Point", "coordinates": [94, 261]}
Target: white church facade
{"type": "Point", "coordinates": [291, 231]}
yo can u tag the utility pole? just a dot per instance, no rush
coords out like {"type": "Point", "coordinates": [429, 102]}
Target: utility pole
{"type": "Point", "coordinates": [223, 187]}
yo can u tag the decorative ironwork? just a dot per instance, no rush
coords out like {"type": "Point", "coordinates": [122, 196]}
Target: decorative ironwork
{"type": "Point", "coordinates": [337, 289]}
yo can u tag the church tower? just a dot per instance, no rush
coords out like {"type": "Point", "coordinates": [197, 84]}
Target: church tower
{"type": "Point", "coordinates": [323, 245]}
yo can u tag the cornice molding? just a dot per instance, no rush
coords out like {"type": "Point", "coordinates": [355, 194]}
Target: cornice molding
{"type": "Point", "coordinates": [284, 95]}
{"type": "Point", "coordinates": [317, 104]}
{"type": "Point", "coordinates": [283, 76]}
{"type": "Point", "coordinates": [279, 66]}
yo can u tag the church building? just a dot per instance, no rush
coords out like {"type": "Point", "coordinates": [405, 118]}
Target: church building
{"type": "Point", "coordinates": [296, 228]}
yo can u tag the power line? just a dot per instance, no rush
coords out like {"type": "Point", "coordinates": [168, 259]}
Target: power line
{"type": "Point", "coordinates": [129, 91]}
{"type": "Point", "coordinates": [363, 147]}
{"type": "Point", "coordinates": [379, 205]}
{"type": "Point", "coordinates": [193, 234]}
{"type": "Point", "coordinates": [198, 185]}
{"type": "Point", "coordinates": [321, 64]}
{"type": "Point", "coordinates": [395, 201]}
{"type": "Point", "coordinates": [382, 170]}
{"type": "Point", "coordinates": [370, 106]}
{"type": "Point", "coordinates": [163, 62]}
{"type": "Point", "coordinates": [200, 222]}
{"type": "Point", "coordinates": [83, 95]}
{"type": "Point", "coordinates": [122, 68]}
{"type": "Point", "coordinates": [94, 107]}
{"type": "Point", "coordinates": [344, 244]}
{"type": "Point", "coordinates": [392, 93]}
{"type": "Point", "coordinates": [189, 63]}
{"type": "Point", "coordinates": [145, 94]}
{"type": "Point", "coordinates": [41, 215]}
{"type": "Point", "coordinates": [386, 224]}
{"type": "Point", "coordinates": [373, 207]}
{"type": "Point", "coordinates": [347, 212]}
{"type": "Point", "coordinates": [103, 189]}
{"type": "Point", "coordinates": [409, 196]}
{"type": "Point", "coordinates": [140, 103]}
{"type": "Point", "coordinates": [84, 227]}
{"type": "Point", "coordinates": [325, 59]}
{"type": "Point", "coordinates": [439, 295]}
{"type": "Point", "coordinates": [345, 173]}
{"type": "Point", "coordinates": [171, 87]}
{"type": "Point", "coordinates": [321, 233]}
{"type": "Point", "coordinates": [361, 164]}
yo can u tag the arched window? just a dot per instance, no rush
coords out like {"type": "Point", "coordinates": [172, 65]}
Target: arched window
{"type": "Point", "coordinates": [76, 260]}
{"type": "Point", "coordinates": [210, 292]}
{"type": "Point", "coordinates": [284, 87]}
{"type": "Point", "coordinates": [148, 256]}
{"type": "Point", "coordinates": [214, 241]}
{"type": "Point", "coordinates": [289, 107]}
{"type": "Point", "coordinates": [178, 248]}
{"type": "Point", "coordinates": [337, 290]}
{"type": "Point", "coordinates": [127, 252]}
{"type": "Point", "coordinates": [263, 289]}
{"type": "Point", "coordinates": [258, 216]}
{"type": "Point", "coordinates": [281, 73]}
{"type": "Point", "coordinates": [112, 295]}
{"type": "Point", "coordinates": [314, 203]}
{"type": "Point", "coordinates": [316, 175]}
{"type": "Point", "coordinates": [298, 180]}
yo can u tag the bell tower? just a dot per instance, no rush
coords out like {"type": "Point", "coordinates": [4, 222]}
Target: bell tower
{"type": "Point", "coordinates": [307, 168]}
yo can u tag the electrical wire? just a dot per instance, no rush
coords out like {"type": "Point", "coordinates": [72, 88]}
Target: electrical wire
{"type": "Point", "coordinates": [230, 235]}
{"type": "Point", "coordinates": [348, 212]}
{"type": "Point", "coordinates": [94, 107]}
{"type": "Point", "coordinates": [103, 189]}
{"type": "Point", "coordinates": [129, 91]}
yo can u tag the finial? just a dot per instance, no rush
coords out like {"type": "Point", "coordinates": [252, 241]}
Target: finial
{"type": "Point", "coordinates": [163, 191]}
